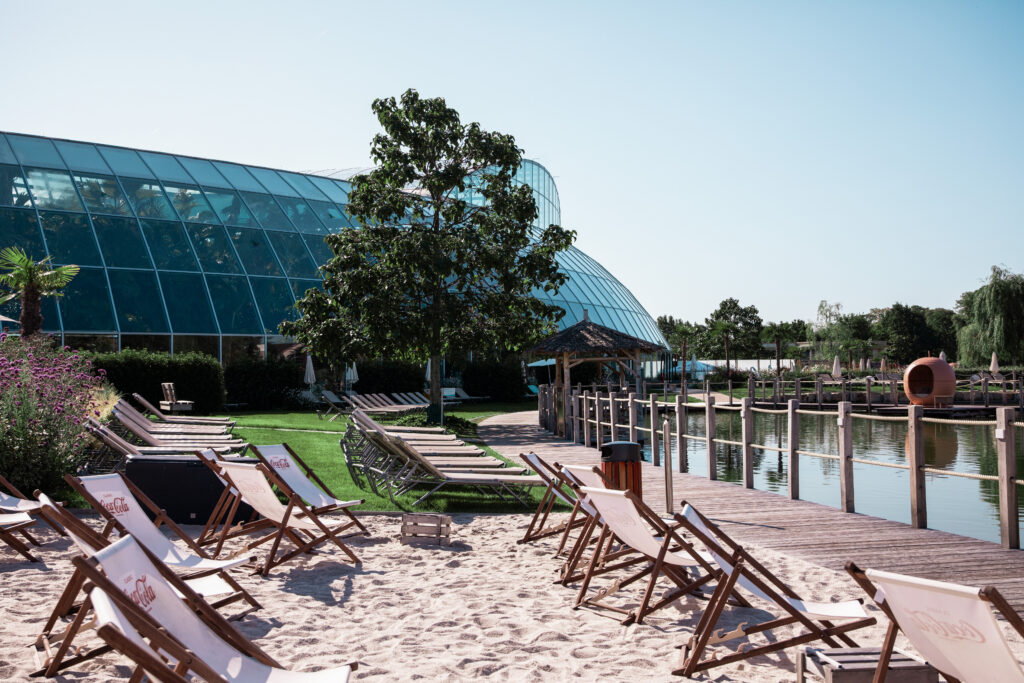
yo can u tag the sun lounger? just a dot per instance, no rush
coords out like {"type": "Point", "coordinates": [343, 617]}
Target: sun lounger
{"type": "Point", "coordinates": [141, 424]}
{"type": "Point", "coordinates": [196, 639]}
{"type": "Point", "coordinates": [181, 442]}
{"type": "Point", "coordinates": [951, 626]}
{"type": "Point", "coordinates": [461, 394]}
{"type": "Point", "coordinates": [740, 570]}
{"type": "Point", "coordinates": [178, 419]}
{"type": "Point", "coordinates": [124, 449]}
{"type": "Point", "coordinates": [168, 427]}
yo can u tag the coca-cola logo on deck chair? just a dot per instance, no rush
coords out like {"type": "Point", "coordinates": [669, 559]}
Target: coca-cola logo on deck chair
{"type": "Point", "coordinates": [946, 628]}
{"type": "Point", "coordinates": [141, 593]}
{"type": "Point", "coordinates": [279, 463]}
{"type": "Point", "coordinates": [115, 505]}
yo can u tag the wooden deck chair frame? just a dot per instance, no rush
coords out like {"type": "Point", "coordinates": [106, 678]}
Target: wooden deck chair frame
{"type": "Point", "coordinates": [756, 575]}
{"type": "Point", "coordinates": [169, 443]}
{"type": "Point", "coordinates": [18, 523]}
{"type": "Point", "coordinates": [156, 427]}
{"type": "Point", "coordinates": [591, 522]}
{"type": "Point", "coordinates": [295, 508]}
{"type": "Point", "coordinates": [989, 594]}
{"type": "Point", "coordinates": [34, 510]}
{"type": "Point", "coordinates": [556, 490]}
{"type": "Point", "coordinates": [222, 516]}
{"type": "Point", "coordinates": [605, 559]}
{"type": "Point", "coordinates": [143, 431]}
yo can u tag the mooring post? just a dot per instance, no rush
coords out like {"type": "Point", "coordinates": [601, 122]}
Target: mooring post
{"type": "Point", "coordinates": [613, 415]}
{"type": "Point", "coordinates": [655, 453]}
{"type": "Point", "coordinates": [792, 446]}
{"type": "Point", "coordinates": [586, 418]}
{"type": "Point", "coordinates": [915, 460]}
{"type": "Point", "coordinates": [666, 444]}
{"type": "Point", "coordinates": [1006, 448]}
{"type": "Point", "coordinates": [681, 425]}
{"type": "Point", "coordinates": [845, 456]}
{"type": "Point", "coordinates": [632, 417]}
{"type": "Point", "coordinates": [747, 432]}
{"type": "Point", "coordinates": [709, 436]}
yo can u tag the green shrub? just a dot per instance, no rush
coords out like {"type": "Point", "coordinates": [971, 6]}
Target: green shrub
{"type": "Point", "coordinates": [265, 385]}
{"type": "Point", "coordinates": [501, 380]}
{"type": "Point", "coordinates": [196, 376]}
{"type": "Point", "coordinates": [388, 376]}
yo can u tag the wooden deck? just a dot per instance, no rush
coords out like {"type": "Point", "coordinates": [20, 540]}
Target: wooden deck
{"type": "Point", "coordinates": [816, 533]}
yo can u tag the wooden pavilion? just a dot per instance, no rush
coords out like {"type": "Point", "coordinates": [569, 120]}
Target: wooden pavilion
{"type": "Point", "coordinates": [587, 342]}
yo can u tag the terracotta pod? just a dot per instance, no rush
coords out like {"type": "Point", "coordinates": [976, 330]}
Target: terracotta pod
{"type": "Point", "coordinates": [926, 378]}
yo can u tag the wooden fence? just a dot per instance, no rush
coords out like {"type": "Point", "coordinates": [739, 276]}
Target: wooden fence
{"type": "Point", "coordinates": [594, 418]}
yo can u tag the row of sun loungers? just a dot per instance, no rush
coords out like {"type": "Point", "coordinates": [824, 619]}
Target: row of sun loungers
{"type": "Point", "coordinates": [951, 626]}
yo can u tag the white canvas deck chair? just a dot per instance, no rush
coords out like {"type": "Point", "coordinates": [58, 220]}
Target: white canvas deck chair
{"type": "Point", "coordinates": [18, 522]}
{"type": "Point", "coordinates": [295, 521]}
{"type": "Point", "coordinates": [575, 477]}
{"type": "Point", "coordinates": [14, 500]}
{"type": "Point", "coordinates": [626, 519]}
{"type": "Point", "coordinates": [740, 570]}
{"type": "Point", "coordinates": [951, 626]}
{"type": "Point", "coordinates": [140, 612]}
{"type": "Point", "coordinates": [556, 491]}
{"type": "Point", "coordinates": [53, 647]}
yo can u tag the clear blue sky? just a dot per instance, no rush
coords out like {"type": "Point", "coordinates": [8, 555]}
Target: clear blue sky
{"type": "Point", "coordinates": [778, 152]}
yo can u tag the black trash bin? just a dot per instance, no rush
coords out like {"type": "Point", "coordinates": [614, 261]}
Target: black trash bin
{"type": "Point", "coordinates": [621, 466]}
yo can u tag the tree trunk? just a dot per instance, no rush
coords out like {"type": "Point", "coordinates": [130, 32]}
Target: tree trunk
{"type": "Point", "coordinates": [435, 414]}
{"type": "Point", "coordinates": [31, 318]}
{"type": "Point", "coordinates": [728, 366]}
{"type": "Point", "coordinates": [683, 374]}
{"type": "Point", "coordinates": [778, 355]}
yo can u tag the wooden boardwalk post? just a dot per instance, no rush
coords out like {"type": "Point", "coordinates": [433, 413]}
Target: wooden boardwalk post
{"type": "Point", "coordinates": [792, 446]}
{"type": "Point", "coordinates": [729, 384]}
{"type": "Point", "coordinates": [666, 443]}
{"type": "Point", "coordinates": [1006, 446]}
{"type": "Point", "coordinates": [613, 415]}
{"type": "Point", "coordinates": [820, 390]}
{"type": "Point", "coordinates": [797, 389]}
{"type": "Point", "coordinates": [599, 415]}
{"type": "Point", "coordinates": [632, 417]}
{"type": "Point", "coordinates": [845, 457]}
{"type": "Point", "coordinates": [747, 432]}
{"type": "Point", "coordinates": [655, 453]}
{"type": "Point", "coordinates": [984, 389]}
{"type": "Point", "coordinates": [915, 459]}
{"type": "Point", "coordinates": [751, 389]}
{"type": "Point", "coordinates": [681, 425]}
{"type": "Point", "coordinates": [586, 418]}
{"type": "Point", "coordinates": [540, 405]}
{"type": "Point", "coordinates": [709, 435]}
{"type": "Point", "coordinates": [867, 384]}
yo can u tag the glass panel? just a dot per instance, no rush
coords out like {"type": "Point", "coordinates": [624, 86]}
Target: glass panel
{"type": "Point", "coordinates": [187, 303]}
{"type": "Point", "coordinates": [69, 238]}
{"type": "Point", "coordinates": [148, 199]}
{"type": "Point", "coordinates": [204, 172]}
{"type": "Point", "coordinates": [239, 177]}
{"type": "Point", "coordinates": [53, 190]}
{"type": "Point", "coordinates": [237, 349]}
{"type": "Point", "coordinates": [102, 194]}
{"type": "Point", "coordinates": [13, 191]}
{"type": "Point", "coordinates": [138, 301]}
{"type": "Point", "coordinates": [270, 216]}
{"type": "Point", "coordinates": [302, 184]}
{"type": "Point", "coordinates": [121, 242]}
{"type": "Point", "coordinates": [330, 188]}
{"type": "Point", "coordinates": [299, 287]}
{"type": "Point", "coordinates": [146, 342]}
{"type": "Point", "coordinates": [253, 251]}
{"type": "Point", "coordinates": [166, 167]}
{"type": "Point", "coordinates": [292, 253]}
{"type": "Point", "coordinates": [18, 228]}
{"type": "Point", "coordinates": [275, 300]}
{"type": "Point", "coordinates": [233, 303]}
{"type": "Point", "coordinates": [85, 305]}
{"type": "Point", "coordinates": [208, 345]}
{"type": "Point", "coordinates": [190, 203]}
{"type": "Point", "coordinates": [321, 252]}
{"type": "Point", "coordinates": [230, 208]}
{"type": "Point", "coordinates": [169, 246]}
{"type": "Point", "coordinates": [272, 181]}
{"type": "Point", "coordinates": [212, 248]}
{"type": "Point", "coordinates": [98, 343]}
{"type": "Point", "coordinates": [301, 215]}
{"type": "Point", "coordinates": [12, 310]}
{"type": "Point", "coordinates": [82, 157]}
{"type": "Point", "coordinates": [35, 151]}
{"type": "Point", "coordinates": [6, 154]}
{"type": "Point", "coordinates": [331, 215]}
{"type": "Point", "coordinates": [125, 162]}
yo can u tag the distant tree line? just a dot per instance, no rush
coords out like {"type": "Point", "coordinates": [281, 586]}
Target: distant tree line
{"type": "Point", "coordinates": [986, 320]}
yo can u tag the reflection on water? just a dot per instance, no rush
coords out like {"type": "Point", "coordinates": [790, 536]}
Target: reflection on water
{"type": "Point", "coordinates": [963, 506]}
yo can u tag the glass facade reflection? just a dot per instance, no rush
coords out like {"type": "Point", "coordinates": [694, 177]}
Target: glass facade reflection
{"type": "Point", "coordinates": [179, 253]}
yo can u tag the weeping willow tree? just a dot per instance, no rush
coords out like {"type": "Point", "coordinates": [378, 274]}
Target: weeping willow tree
{"type": "Point", "coordinates": [993, 320]}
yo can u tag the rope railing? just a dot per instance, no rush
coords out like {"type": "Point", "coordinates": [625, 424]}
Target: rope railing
{"type": "Point", "coordinates": [817, 413]}
{"type": "Point", "coordinates": [769, 411]}
{"type": "Point", "coordinates": [769, 448]}
{"type": "Point", "coordinates": [878, 418]}
{"type": "Point", "coordinates": [727, 442]}
{"type": "Point", "coordinates": [879, 463]}
{"type": "Point", "coordinates": [966, 423]}
{"type": "Point", "coordinates": [823, 456]}
{"type": "Point", "coordinates": [962, 475]}
{"type": "Point", "coordinates": [728, 407]}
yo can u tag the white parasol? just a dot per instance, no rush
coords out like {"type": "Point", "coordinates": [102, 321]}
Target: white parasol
{"type": "Point", "coordinates": [310, 376]}
{"type": "Point", "coordinates": [942, 355]}
{"type": "Point", "coordinates": [836, 369]}
{"type": "Point", "coordinates": [994, 367]}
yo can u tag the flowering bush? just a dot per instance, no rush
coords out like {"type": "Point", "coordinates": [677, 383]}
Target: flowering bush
{"type": "Point", "coordinates": [46, 392]}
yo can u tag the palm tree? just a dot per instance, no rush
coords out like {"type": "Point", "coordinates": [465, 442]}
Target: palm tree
{"type": "Point", "coordinates": [32, 280]}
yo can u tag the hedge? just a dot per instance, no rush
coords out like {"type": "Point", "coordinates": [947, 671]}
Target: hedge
{"type": "Point", "coordinates": [388, 376]}
{"type": "Point", "coordinates": [197, 377]}
{"type": "Point", "coordinates": [501, 380]}
{"type": "Point", "coordinates": [265, 385]}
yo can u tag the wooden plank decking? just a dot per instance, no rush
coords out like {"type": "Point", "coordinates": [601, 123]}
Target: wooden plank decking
{"type": "Point", "coordinates": [816, 533]}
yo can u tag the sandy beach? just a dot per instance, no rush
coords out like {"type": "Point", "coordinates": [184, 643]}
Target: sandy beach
{"type": "Point", "coordinates": [485, 607]}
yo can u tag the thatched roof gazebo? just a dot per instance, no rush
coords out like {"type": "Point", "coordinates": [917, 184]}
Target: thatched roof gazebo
{"type": "Point", "coordinates": [587, 342]}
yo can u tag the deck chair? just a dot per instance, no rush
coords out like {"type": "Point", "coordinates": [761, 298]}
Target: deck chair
{"type": "Point", "coordinates": [295, 521]}
{"type": "Point", "coordinates": [53, 647]}
{"type": "Point", "coordinates": [18, 522]}
{"type": "Point", "coordinates": [556, 491]}
{"type": "Point", "coordinates": [142, 426]}
{"type": "Point", "coordinates": [168, 441]}
{"type": "Point", "coordinates": [178, 419]}
{"type": "Point", "coordinates": [575, 477]}
{"type": "Point", "coordinates": [137, 600]}
{"type": "Point", "coordinates": [951, 626]}
{"type": "Point", "coordinates": [171, 401]}
{"type": "Point", "coordinates": [461, 394]}
{"type": "Point", "coordinates": [16, 501]}
{"type": "Point", "coordinates": [740, 570]}
{"type": "Point", "coordinates": [301, 479]}
{"type": "Point", "coordinates": [624, 517]}
{"type": "Point", "coordinates": [170, 427]}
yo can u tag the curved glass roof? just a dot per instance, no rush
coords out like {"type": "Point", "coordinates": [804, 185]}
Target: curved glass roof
{"type": "Point", "coordinates": [182, 253]}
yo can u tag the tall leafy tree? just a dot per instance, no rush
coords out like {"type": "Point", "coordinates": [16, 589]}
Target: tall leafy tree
{"type": "Point", "coordinates": [21, 276]}
{"type": "Point", "coordinates": [744, 330]}
{"type": "Point", "coordinates": [905, 330]}
{"type": "Point", "coordinates": [993, 318]}
{"type": "Point", "coordinates": [429, 272]}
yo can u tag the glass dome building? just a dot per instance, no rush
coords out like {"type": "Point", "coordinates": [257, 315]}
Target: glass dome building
{"type": "Point", "coordinates": [179, 253]}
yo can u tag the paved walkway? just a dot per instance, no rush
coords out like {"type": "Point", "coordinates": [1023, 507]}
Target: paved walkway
{"type": "Point", "coordinates": [816, 533]}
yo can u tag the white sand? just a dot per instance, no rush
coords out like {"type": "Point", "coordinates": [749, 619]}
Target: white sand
{"type": "Point", "coordinates": [484, 607]}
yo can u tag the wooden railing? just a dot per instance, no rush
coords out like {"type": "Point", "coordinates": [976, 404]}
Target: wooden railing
{"type": "Point", "coordinates": [596, 418]}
